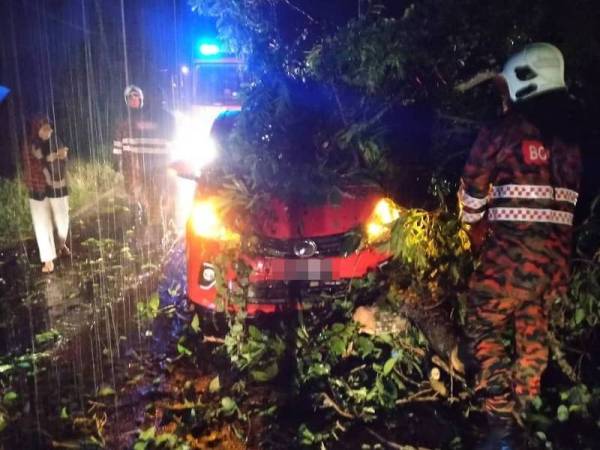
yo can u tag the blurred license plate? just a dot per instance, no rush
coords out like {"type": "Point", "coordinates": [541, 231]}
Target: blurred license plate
{"type": "Point", "coordinates": [302, 269]}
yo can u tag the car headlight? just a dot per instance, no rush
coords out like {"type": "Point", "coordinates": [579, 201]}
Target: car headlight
{"type": "Point", "coordinates": [206, 222]}
{"type": "Point", "coordinates": [378, 227]}
{"type": "Point", "coordinates": [192, 142]}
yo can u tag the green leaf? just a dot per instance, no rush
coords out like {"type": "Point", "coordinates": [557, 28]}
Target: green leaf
{"type": "Point", "coordinates": [268, 374]}
{"type": "Point", "coordinates": [174, 290]}
{"type": "Point", "coordinates": [365, 346]}
{"type": "Point", "coordinates": [182, 350]}
{"type": "Point", "coordinates": [307, 437]}
{"type": "Point", "coordinates": [579, 315]}
{"type": "Point", "coordinates": [337, 346]}
{"type": "Point", "coordinates": [140, 446]}
{"type": "Point", "coordinates": [3, 421]}
{"type": "Point", "coordinates": [389, 365]}
{"type": "Point", "coordinates": [562, 413]}
{"type": "Point", "coordinates": [195, 323]}
{"type": "Point", "coordinates": [228, 405]}
{"type": "Point", "coordinates": [255, 333]}
{"type": "Point", "coordinates": [64, 414]}
{"type": "Point", "coordinates": [106, 391]}
{"type": "Point", "coordinates": [6, 368]}
{"type": "Point", "coordinates": [537, 402]}
{"type": "Point", "coordinates": [10, 397]}
{"type": "Point", "coordinates": [147, 434]}
{"type": "Point", "coordinates": [169, 438]}
{"type": "Point", "coordinates": [214, 385]}
{"type": "Point", "coordinates": [337, 327]}
{"type": "Point", "coordinates": [541, 436]}
{"type": "Point", "coordinates": [47, 336]}
{"type": "Point", "coordinates": [154, 301]}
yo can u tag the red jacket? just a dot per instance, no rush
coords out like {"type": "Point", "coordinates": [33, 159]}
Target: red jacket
{"type": "Point", "coordinates": [33, 173]}
{"type": "Point", "coordinates": [519, 180]}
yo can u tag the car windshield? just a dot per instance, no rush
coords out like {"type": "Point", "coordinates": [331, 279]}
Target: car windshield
{"type": "Point", "coordinates": [217, 84]}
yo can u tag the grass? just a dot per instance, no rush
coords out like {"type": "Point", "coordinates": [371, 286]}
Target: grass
{"type": "Point", "coordinates": [87, 181]}
{"type": "Point", "coordinates": [15, 218]}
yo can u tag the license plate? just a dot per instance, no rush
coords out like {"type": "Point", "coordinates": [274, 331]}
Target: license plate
{"type": "Point", "coordinates": [302, 269]}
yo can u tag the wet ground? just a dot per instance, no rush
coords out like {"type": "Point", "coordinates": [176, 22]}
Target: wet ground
{"type": "Point", "coordinates": [66, 337]}
{"type": "Point", "coordinates": [82, 361]}
{"type": "Point", "coordinates": [85, 364]}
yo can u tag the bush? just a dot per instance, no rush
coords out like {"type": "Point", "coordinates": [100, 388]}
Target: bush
{"type": "Point", "coordinates": [15, 218]}
{"type": "Point", "coordinates": [88, 180]}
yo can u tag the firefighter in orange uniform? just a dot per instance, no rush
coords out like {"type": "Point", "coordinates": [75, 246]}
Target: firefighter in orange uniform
{"type": "Point", "coordinates": [520, 183]}
{"type": "Point", "coordinates": [141, 145]}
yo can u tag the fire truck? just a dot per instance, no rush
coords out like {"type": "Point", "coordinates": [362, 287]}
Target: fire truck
{"type": "Point", "coordinates": [208, 88]}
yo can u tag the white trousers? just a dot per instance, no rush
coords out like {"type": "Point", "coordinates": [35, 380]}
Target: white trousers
{"type": "Point", "coordinates": [45, 214]}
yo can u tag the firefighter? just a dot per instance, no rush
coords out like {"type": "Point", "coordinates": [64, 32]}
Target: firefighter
{"type": "Point", "coordinates": [141, 147]}
{"type": "Point", "coordinates": [518, 193]}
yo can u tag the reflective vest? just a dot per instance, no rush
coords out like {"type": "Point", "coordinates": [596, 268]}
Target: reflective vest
{"type": "Point", "coordinates": [512, 176]}
{"type": "Point", "coordinates": [139, 135]}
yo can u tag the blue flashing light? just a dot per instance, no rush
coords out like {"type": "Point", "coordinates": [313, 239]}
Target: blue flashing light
{"type": "Point", "coordinates": [209, 49]}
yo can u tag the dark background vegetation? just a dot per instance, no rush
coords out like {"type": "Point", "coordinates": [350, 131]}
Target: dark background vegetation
{"type": "Point", "coordinates": [72, 59]}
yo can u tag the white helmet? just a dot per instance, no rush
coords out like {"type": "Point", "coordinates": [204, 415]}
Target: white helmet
{"type": "Point", "coordinates": [536, 69]}
{"type": "Point", "coordinates": [131, 89]}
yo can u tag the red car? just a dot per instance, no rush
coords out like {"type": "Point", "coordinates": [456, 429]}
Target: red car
{"type": "Point", "coordinates": [298, 254]}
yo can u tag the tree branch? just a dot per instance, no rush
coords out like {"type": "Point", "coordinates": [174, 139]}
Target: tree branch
{"type": "Point", "coordinates": [421, 396]}
{"type": "Point", "coordinates": [475, 80]}
{"type": "Point", "coordinates": [392, 444]}
{"type": "Point", "coordinates": [446, 368]}
{"type": "Point", "coordinates": [213, 339]}
{"type": "Point", "coordinates": [558, 353]}
{"type": "Point", "coordinates": [329, 403]}
{"type": "Point", "coordinates": [301, 11]}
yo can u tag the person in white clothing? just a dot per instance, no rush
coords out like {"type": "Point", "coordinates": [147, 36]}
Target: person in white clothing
{"type": "Point", "coordinates": [44, 164]}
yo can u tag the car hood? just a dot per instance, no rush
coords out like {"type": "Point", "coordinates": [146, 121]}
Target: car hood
{"type": "Point", "coordinates": [296, 219]}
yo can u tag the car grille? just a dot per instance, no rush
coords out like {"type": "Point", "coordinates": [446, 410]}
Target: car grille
{"type": "Point", "coordinates": [333, 245]}
{"type": "Point", "coordinates": [283, 292]}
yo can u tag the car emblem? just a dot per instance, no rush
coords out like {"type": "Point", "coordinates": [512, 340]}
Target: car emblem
{"type": "Point", "coordinates": [305, 249]}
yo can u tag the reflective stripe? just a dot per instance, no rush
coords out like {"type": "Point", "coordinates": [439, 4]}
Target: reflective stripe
{"type": "Point", "coordinates": [530, 215]}
{"type": "Point", "coordinates": [150, 150]}
{"type": "Point", "coordinates": [470, 201]}
{"type": "Point", "coordinates": [471, 217]}
{"type": "Point", "coordinates": [117, 151]}
{"type": "Point", "coordinates": [117, 144]}
{"type": "Point", "coordinates": [566, 195]}
{"type": "Point", "coordinates": [535, 191]}
{"type": "Point", "coordinates": [523, 191]}
{"type": "Point", "coordinates": [141, 141]}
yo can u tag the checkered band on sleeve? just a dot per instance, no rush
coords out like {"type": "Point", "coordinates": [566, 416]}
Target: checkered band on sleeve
{"type": "Point", "coordinates": [469, 201]}
{"type": "Point", "coordinates": [566, 195]}
{"type": "Point", "coordinates": [471, 217]}
{"type": "Point", "coordinates": [530, 215]}
{"type": "Point", "coordinates": [117, 147]}
{"type": "Point", "coordinates": [156, 146]}
{"type": "Point", "coordinates": [523, 191]}
{"type": "Point", "coordinates": [532, 191]}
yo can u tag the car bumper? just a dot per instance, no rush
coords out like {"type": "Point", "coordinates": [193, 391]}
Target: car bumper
{"type": "Point", "coordinates": [279, 284]}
